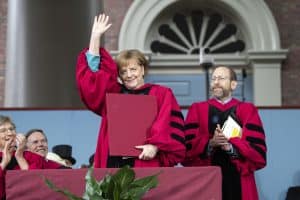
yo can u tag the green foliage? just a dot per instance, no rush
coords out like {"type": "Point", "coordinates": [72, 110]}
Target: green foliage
{"type": "Point", "coordinates": [120, 186]}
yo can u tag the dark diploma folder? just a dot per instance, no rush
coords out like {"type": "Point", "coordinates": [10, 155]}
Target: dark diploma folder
{"type": "Point", "coordinates": [129, 119]}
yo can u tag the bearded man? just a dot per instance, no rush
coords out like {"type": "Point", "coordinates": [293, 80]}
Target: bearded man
{"type": "Point", "coordinates": [240, 156]}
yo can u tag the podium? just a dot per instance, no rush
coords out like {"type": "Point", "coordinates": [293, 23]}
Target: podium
{"type": "Point", "coordinates": [175, 183]}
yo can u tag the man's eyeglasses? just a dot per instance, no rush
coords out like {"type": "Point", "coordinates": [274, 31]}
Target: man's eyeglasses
{"type": "Point", "coordinates": [218, 78]}
{"type": "Point", "coordinates": [5, 130]}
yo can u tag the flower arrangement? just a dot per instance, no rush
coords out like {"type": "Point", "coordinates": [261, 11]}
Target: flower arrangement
{"type": "Point", "coordinates": [122, 185]}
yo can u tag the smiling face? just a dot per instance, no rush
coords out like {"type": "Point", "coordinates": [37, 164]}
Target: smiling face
{"type": "Point", "coordinates": [132, 75]}
{"type": "Point", "coordinates": [7, 133]}
{"type": "Point", "coordinates": [37, 143]}
{"type": "Point", "coordinates": [132, 65]}
{"type": "Point", "coordinates": [222, 83]}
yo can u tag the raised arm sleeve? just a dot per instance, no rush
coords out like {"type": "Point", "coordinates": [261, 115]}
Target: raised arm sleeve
{"type": "Point", "coordinates": [93, 61]}
{"type": "Point", "coordinates": [93, 85]}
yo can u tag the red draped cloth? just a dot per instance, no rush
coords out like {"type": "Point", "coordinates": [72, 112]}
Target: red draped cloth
{"type": "Point", "coordinates": [174, 183]}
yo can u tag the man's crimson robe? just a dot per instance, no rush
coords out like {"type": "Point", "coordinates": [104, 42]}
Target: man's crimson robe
{"type": "Point", "coordinates": [237, 169]}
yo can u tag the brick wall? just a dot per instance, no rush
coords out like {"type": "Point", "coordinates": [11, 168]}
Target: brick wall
{"type": "Point", "coordinates": [116, 10]}
{"type": "Point", "coordinates": [286, 13]}
{"type": "Point", "coordinates": [3, 23]}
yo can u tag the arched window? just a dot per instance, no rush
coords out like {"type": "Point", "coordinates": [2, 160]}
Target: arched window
{"type": "Point", "coordinates": [190, 32]}
{"type": "Point", "coordinates": [242, 34]}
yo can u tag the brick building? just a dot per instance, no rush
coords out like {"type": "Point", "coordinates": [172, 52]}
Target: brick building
{"type": "Point", "coordinates": [257, 51]}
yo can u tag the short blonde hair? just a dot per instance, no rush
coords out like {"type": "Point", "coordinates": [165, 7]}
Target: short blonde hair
{"type": "Point", "coordinates": [124, 56]}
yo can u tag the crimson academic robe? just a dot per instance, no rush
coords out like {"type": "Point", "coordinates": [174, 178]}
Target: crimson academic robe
{"type": "Point", "coordinates": [34, 161]}
{"type": "Point", "coordinates": [167, 130]}
{"type": "Point", "coordinates": [237, 169]}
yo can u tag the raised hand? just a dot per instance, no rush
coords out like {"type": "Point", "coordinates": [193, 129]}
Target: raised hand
{"type": "Point", "coordinates": [7, 153]}
{"type": "Point", "coordinates": [100, 25]}
{"type": "Point", "coordinates": [21, 143]}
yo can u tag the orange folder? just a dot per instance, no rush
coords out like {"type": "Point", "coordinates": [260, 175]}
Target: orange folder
{"type": "Point", "coordinates": [129, 118]}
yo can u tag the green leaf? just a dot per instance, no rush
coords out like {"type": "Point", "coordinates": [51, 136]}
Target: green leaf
{"type": "Point", "coordinates": [91, 187]}
{"type": "Point", "coordinates": [148, 182]}
{"type": "Point", "coordinates": [117, 192]}
{"type": "Point", "coordinates": [120, 186]}
{"type": "Point", "coordinates": [139, 187]}
{"type": "Point", "coordinates": [109, 187]}
{"type": "Point", "coordinates": [64, 192]}
{"type": "Point", "coordinates": [136, 193]}
{"type": "Point", "coordinates": [124, 177]}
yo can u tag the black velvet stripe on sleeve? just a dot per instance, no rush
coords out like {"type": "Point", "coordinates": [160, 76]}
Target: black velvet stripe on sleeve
{"type": "Point", "coordinates": [178, 138]}
{"type": "Point", "coordinates": [190, 137]}
{"type": "Point", "coordinates": [255, 140]}
{"type": "Point", "coordinates": [259, 150]}
{"type": "Point", "coordinates": [188, 146]}
{"type": "Point", "coordinates": [191, 126]}
{"type": "Point", "coordinates": [203, 155]}
{"type": "Point", "coordinates": [254, 127]}
{"type": "Point", "coordinates": [177, 125]}
{"type": "Point", "coordinates": [177, 114]}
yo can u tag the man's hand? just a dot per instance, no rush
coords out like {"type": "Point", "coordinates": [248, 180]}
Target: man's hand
{"type": "Point", "coordinates": [149, 151]}
{"type": "Point", "coordinates": [21, 143]}
{"type": "Point", "coordinates": [218, 139]}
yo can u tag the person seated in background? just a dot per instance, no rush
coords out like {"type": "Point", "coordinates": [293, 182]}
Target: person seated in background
{"type": "Point", "coordinates": [37, 142]}
{"type": "Point", "coordinates": [64, 152]}
{"type": "Point", "coordinates": [12, 152]}
{"type": "Point", "coordinates": [56, 158]}
{"type": "Point", "coordinates": [91, 162]}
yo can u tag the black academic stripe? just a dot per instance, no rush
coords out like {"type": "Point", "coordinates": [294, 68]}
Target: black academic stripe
{"type": "Point", "coordinates": [259, 150]}
{"type": "Point", "coordinates": [177, 114]}
{"type": "Point", "coordinates": [256, 140]}
{"type": "Point", "coordinates": [188, 146]}
{"type": "Point", "coordinates": [254, 127]}
{"type": "Point", "coordinates": [190, 137]}
{"type": "Point", "coordinates": [203, 155]}
{"type": "Point", "coordinates": [191, 126]}
{"type": "Point", "coordinates": [178, 138]}
{"type": "Point", "coordinates": [177, 125]}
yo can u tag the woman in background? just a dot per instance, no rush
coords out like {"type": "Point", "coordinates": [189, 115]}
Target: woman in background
{"type": "Point", "coordinates": [12, 154]}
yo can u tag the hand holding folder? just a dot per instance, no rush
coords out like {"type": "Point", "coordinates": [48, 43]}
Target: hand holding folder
{"type": "Point", "coordinates": [231, 128]}
{"type": "Point", "coordinates": [129, 118]}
